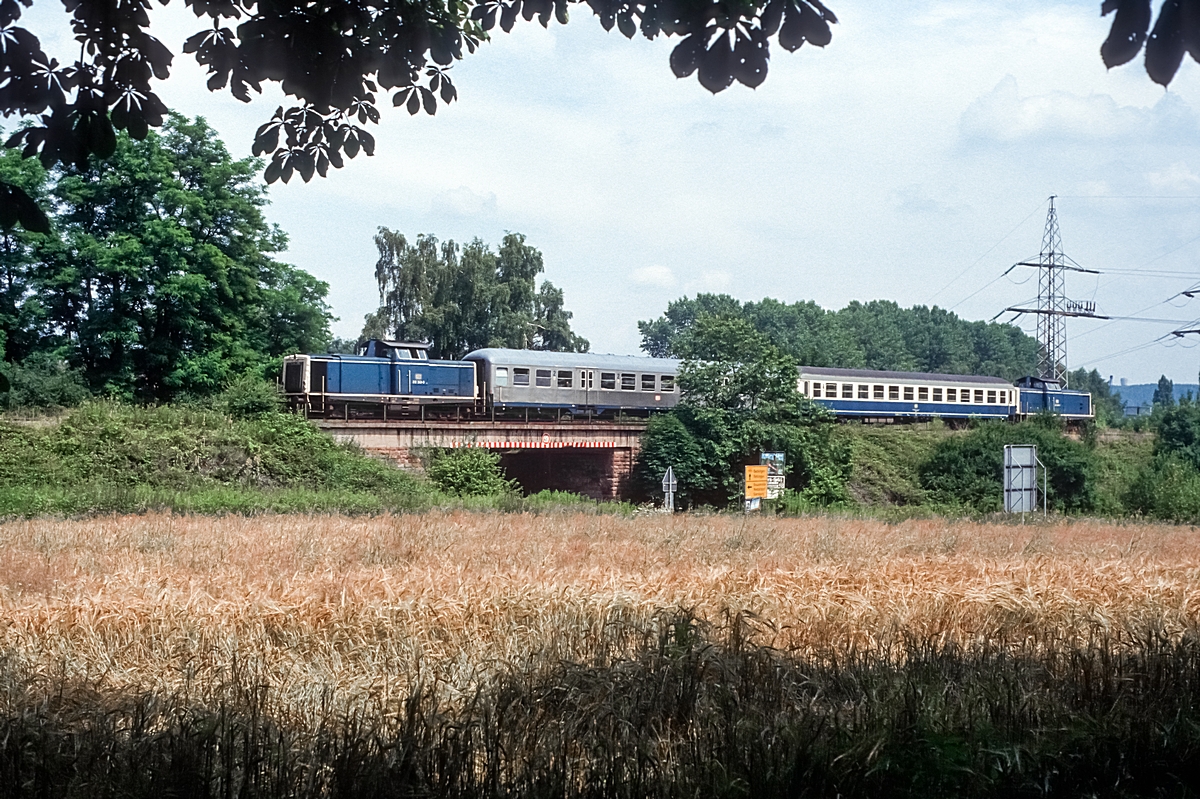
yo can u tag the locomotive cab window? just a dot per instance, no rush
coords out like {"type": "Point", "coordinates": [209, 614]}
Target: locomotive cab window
{"type": "Point", "coordinates": [893, 392]}
{"type": "Point", "coordinates": [923, 393]}
{"type": "Point", "coordinates": [608, 380]}
{"type": "Point", "coordinates": [937, 395]}
{"type": "Point", "coordinates": [564, 378]}
{"type": "Point", "coordinates": [668, 384]}
{"type": "Point", "coordinates": [647, 382]}
{"type": "Point", "coordinates": [908, 392]}
{"type": "Point", "coordinates": [864, 392]}
{"type": "Point", "coordinates": [628, 382]}
{"type": "Point", "coordinates": [543, 378]}
{"type": "Point", "coordinates": [878, 392]}
{"type": "Point", "coordinates": [951, 395]}
{"type": "Point", "coordinates": [502, 375]}
{"type": "Point", "coordinates": [520, 376]}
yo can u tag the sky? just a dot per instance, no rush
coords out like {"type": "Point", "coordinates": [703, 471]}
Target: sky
{"type": "Point", "coordinates": [910, 160]}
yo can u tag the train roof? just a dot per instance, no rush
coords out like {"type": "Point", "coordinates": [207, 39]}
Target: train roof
{"type": "Point", "coordinates": [923, 377]}
{"type": "Point", "coordinates": [589, 360]}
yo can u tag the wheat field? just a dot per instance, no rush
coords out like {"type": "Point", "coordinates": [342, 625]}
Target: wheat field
{"type": "Point", "coordinates": [344, 626]}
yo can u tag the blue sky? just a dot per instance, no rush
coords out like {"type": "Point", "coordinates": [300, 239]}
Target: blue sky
{"type": "Point", "coordinates": [910, 160]}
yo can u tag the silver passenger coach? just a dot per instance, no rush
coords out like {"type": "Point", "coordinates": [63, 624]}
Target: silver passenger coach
{"type": "Point", "coordinates": [575, 382]}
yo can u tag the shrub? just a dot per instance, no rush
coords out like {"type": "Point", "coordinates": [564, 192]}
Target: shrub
{"type": "Point", "coordinates": [44, 381]}
{"type": "Point", "coordinates": [249, 396]}
{"type": "Point", "coordinates": [1167, 489]}
{"type": "Point", "coordinates": [469, 473]}
{"type": "Point", "coordinates": [1179, 432]}
{"type": "Point", "coordinates": [967, 470]}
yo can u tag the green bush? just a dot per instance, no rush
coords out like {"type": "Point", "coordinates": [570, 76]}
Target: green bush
{"type": "Point", "coordinates": [1178, 428]}
{"type": "Point", "coordinates": [43, 381]}
{"type": "Point", "coordinates": [249, 396]}
{"type": "Point", "coordinates": [469, 473]}
{"type": "Point", "coordinates": [1168, 489]}
{"type": "Point", "coordinates": [967, 470]}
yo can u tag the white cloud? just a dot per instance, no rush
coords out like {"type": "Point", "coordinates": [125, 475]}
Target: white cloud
{"type": "Point", "coordinates": [715, 280]}
{"type": "Point", "coordinates": [656, 275]}
{"type": "Point", "coordinates": [1177, 177]}
{"type": "Point", "coordinates": [464, 202]}
{"type": "Point", "coordinates": [1004, 116]}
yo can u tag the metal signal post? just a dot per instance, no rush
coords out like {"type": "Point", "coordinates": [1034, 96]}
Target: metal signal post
{"type": "Point", "coordinates": [669, 485]}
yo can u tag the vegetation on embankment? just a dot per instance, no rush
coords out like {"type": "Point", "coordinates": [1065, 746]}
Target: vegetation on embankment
{"type": "Point", "coordinates": [232, 456]}
{"type": "Point", "coordinates": [456, 654]}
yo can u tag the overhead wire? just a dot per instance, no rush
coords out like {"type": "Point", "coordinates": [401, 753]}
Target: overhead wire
{"type": "Point", "coordinates": [985, 255]}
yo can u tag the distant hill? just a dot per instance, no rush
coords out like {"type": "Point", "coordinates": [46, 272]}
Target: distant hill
{"type": "Point", "coordinates": [1143, 393]}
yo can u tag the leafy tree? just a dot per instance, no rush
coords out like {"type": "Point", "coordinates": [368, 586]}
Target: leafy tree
{"type": "Point", "coordinates": [1164, 393]}
{"type": "Point", "coordinates": [874, 335]}
{"type": "Point", "coordinates": [738, 399]}
{"type": "Point", "coordinates": [1105, 402]}
{"type": "Point", "coordinates": [461, 300]}
{"type": "Point", "coordinates": [1179, 432]}
{"type": "Point", "coordinates": [158, 278]}
{"type": "Point", "coordinates": [967, 470]}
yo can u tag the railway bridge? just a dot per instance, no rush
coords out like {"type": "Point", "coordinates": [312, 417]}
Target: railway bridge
{"type": "Point", "coordinates": [593, 458]}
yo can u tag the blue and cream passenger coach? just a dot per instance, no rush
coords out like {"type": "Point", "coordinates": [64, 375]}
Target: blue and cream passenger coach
{"type": "Point", "coordinates": [869, 394]}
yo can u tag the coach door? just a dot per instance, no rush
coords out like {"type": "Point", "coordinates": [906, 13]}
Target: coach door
{"type": "Point", "coordinates": [587, 381]}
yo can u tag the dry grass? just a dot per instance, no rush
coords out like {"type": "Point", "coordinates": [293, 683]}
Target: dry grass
{"type": "Point", "coordinates": [330, 614]}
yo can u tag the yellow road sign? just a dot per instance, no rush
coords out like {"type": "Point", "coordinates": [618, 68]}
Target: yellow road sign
{"type": "Point", "coordinates": [756, 482]}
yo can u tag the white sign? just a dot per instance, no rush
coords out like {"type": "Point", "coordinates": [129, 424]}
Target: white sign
{"type": "Point", "coordinates": [669, 484]}
{"type": "Point", "coordinates": [1020, 478]}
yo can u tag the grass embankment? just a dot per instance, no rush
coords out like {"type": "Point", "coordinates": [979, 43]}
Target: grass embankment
{"type": "Point", "coordinates": [886, 461]}
{"type": "Point", "coordinates": [456, 654]}
{"type": "Point", "coordinates": [114, 458]}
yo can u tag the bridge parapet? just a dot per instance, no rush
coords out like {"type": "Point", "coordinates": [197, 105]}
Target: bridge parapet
{"type": "Point", "coordinates": [591, 458]}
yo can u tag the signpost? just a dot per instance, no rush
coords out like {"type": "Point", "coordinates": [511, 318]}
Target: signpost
{"type": "Point", "coordinates": [756, 487]}
{"type": "Point", "coordinates": [669, 485]}
{"type": "Point", "coordinates": [776, 463]}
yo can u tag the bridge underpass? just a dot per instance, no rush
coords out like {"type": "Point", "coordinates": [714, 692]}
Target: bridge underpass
{"type": "Point", "coordinates": [594, 459]}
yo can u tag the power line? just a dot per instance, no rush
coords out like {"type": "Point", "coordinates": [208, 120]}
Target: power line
{"type": "Point", "coordinates": [980, 258]}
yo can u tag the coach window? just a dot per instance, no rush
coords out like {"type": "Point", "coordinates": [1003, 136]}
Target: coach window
{"type": "Point", "coordinates": [608, 380]}
{"type": "Point", "coordinates": [667, 384]}
{"type": "Point", "coordinates": [565, 378]}
{"type": "Point", "coordinates": [923, 393]}
{"type": "Point", "coordinates": [893, 392]}
{"type": "Point", "coordinates": [1003, 397]}
{"type": "Point", "coordinates": [816, 389]}
{"type": "Point", "coordinates": [991, 398]}
{"type": "Point", "coordinates": [543, 378]}
{"type": "Point", "coordinates": [628, 382]}
{"type": "Point", "coordinates": [502, 375]}
{"type": "Point", "coordinates": [864, 392]}
{"type": "Point", "coordinates": [831, 391]}
{"type": "Point", "coordinates": [937, 395]}
{"type": "Point", "coordinates": [951, 395]}
{"type": "Point", "coordinates": [520, 376]}
{"type": "Point", "coordinates": [878, 391]}
{"type": "Point", "coordinates": [847, 391]}
{"type": "Point", "coordinates": [979, 396]}
{"type": "Point", "coordinates": [908, 392]}
{"type": "Point", "coordinates": [964, 395]}
{"type": "Point", "coordinates": [647, 382]}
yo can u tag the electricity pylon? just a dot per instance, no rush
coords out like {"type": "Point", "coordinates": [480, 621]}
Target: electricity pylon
{"type": "Point", "coordinates": [1053, 305]}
